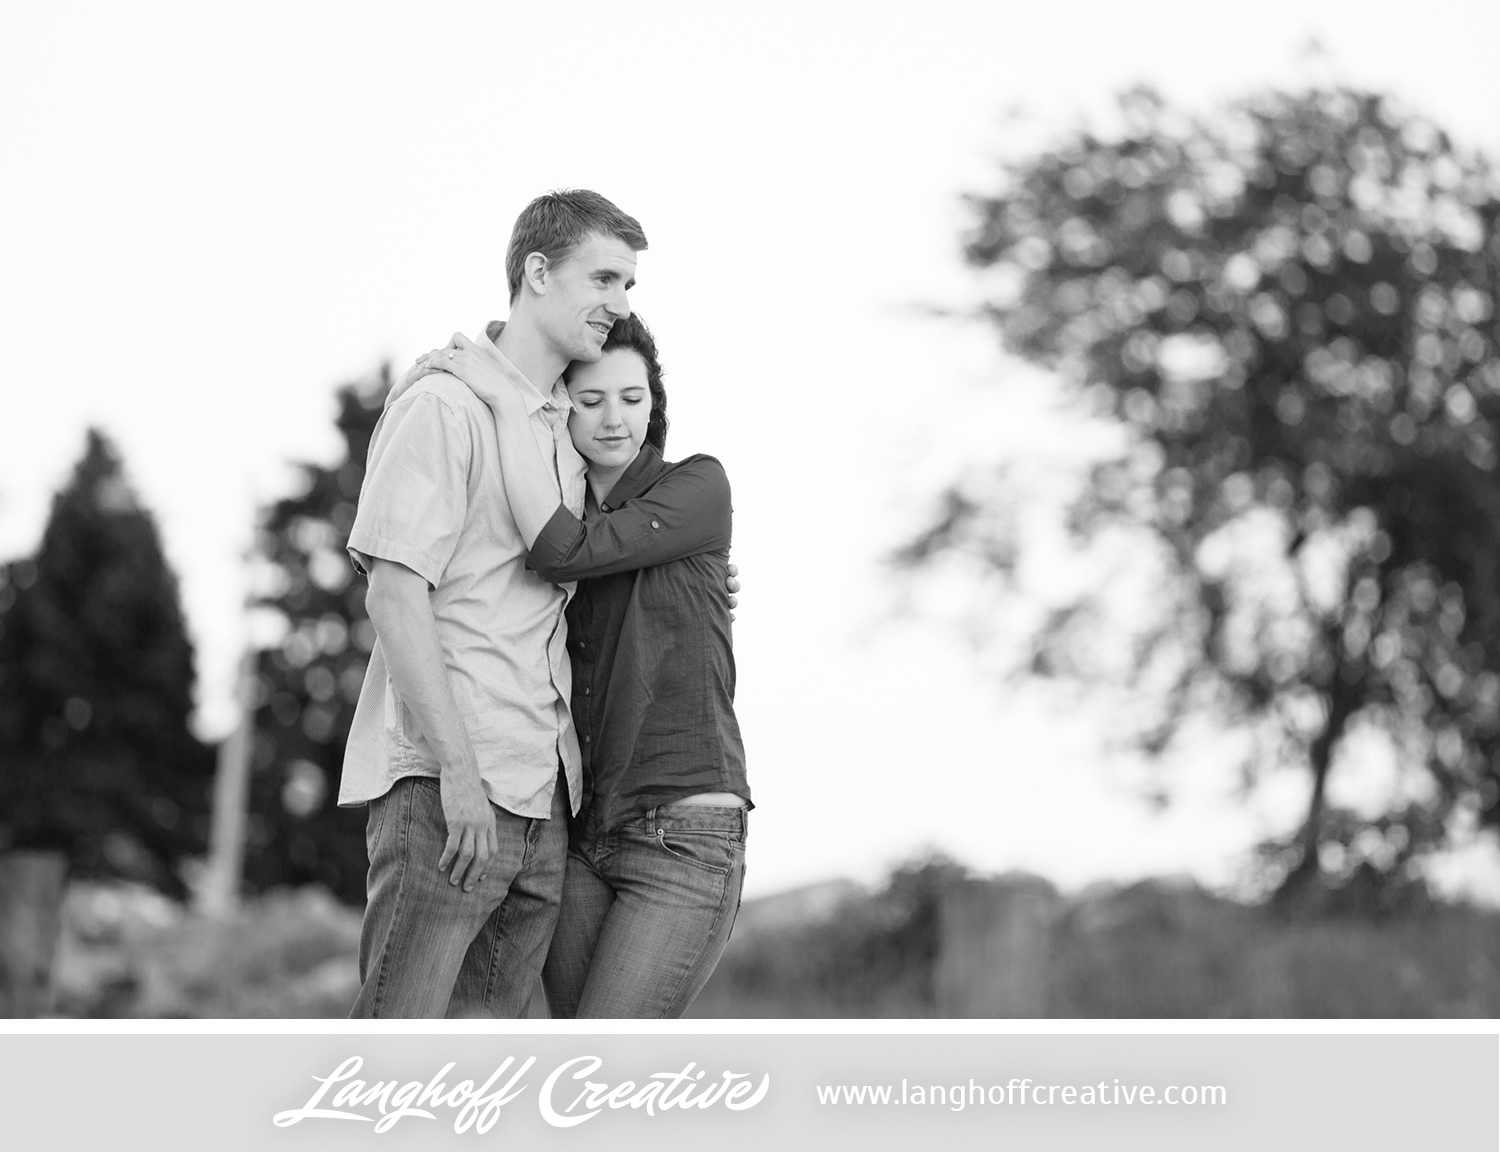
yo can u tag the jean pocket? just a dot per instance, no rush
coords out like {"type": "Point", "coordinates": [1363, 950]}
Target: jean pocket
{"type": "Point", "coordinates": [711, 851]}
{"type": "Point", "coordinates": [375, 823]}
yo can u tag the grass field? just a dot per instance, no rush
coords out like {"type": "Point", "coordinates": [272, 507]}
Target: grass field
{"type": "Point", "coordinates": [1148, 951]}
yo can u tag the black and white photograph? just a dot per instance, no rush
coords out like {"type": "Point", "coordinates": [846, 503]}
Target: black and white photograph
{"type": "Point", "coordinates": [834, 520]}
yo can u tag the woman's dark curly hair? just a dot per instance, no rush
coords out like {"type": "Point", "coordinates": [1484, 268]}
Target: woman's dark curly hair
{"type": "Point", "coordinates": [631, 334]}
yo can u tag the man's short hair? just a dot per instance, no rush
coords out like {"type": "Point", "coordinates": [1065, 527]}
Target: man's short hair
{"type": "Point", "coordinates": [555, 223]}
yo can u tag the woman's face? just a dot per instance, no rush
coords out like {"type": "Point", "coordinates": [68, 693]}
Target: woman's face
{"type": "Point", "coordinates": [611, 406]}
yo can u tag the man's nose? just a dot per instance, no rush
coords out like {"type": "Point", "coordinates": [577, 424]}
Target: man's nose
{"type": "Point", "coordinates": [618, 304]}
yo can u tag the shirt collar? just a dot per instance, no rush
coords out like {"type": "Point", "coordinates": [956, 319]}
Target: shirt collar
{"type": "Point", "coordinates": [535, 401]}
{"type": "Point", "coordinates": [646, 466]}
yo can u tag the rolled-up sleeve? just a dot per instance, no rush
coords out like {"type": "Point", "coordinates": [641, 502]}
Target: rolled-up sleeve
{"type": "Point", "coordinates": [415, 493]}
{"type": "Point", "coordinates": [686, 513]}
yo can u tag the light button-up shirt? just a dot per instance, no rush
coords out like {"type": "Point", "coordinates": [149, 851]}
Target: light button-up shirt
{"type": "Point", "coordinates": [434, 500]}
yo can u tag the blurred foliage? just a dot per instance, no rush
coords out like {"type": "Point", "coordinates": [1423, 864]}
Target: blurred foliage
{"type": "Point", "coordinates": [307, 685]}
{"type": "Point", "coordinates": [1289, 312]}
{"type": "Point", "coordinates": [96, 690]}
{"type": "Point", "coordinates": [1155, 949]}
{"type": "Point", "coordinates": [286, 953]}
{"type": "Point", "coordinates": [872, 956]}
{"type": "Point", "coordinates": [1149, 950]}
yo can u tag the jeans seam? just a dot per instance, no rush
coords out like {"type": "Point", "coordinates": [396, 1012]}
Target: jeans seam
{"type": "Point", "coordinates": [493, 967]}
{"type": "Point", "coordinates": [574, 994]}
{"type": "Point", "coordinates": [690, 969]}
{"type": "Point", "coordinates": [497, 921]}
{"type": "Point", "coordinates": [402, 860]}
{"type": "Point", "coordinates": [379, 806]}
{"type": "Point", "coordinates": [530, 839]}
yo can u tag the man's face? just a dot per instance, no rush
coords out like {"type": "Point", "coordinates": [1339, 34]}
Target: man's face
{"type": "Point", "coordinates": [586, 295]}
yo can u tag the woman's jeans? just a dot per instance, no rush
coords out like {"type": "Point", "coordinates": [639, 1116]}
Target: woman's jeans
{"type": "Point", "coordinates": [428, 948]}
{"type": "Point", "coordinates": [646, 913]}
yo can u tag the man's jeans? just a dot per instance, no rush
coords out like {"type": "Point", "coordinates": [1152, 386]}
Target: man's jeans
{"type": "Point", "coordinates": [428, 948]}
{"type": "Point", "coordinates": [647, 909]}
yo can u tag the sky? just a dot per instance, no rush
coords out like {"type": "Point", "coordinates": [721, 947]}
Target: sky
{"type": "Point", "coordinates": [214, 215]}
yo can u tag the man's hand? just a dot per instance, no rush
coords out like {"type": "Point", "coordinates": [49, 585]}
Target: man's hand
{"type": "Point", "coordinates": [472, 839]}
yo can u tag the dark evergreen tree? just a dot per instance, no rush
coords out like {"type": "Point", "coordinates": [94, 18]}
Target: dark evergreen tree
{"type": "Point", "coordinates": [1289, 312]}
{"type": "Point", "coordinates": [96, 690]}
{"type": "Point", "coordinates": [308, 684]}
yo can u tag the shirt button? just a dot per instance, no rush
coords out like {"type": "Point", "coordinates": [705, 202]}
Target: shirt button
{"type": "Point", "coordinates": [656, 523]}
{"type": "Point", "coordinates": [586, 739]}
{"type": "Point", "coordinates": [588, 691]}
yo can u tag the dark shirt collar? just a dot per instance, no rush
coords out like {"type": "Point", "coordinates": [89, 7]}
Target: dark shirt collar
{"type": "Point", "coordinates": [642, 472]}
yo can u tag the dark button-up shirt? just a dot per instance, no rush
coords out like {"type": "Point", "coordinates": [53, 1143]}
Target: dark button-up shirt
{"type": "Point", "coordinates": [649, 635]}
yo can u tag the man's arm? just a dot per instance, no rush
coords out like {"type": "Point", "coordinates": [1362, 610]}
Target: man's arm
{"type": "Point", "coordinates": [401, 612]}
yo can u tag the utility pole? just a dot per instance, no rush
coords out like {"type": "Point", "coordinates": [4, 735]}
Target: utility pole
{"type": "Point", "coordinates": [220, 893]}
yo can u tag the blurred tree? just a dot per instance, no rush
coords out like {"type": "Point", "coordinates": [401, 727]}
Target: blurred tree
{"type": "Point", "coordinates": [96, 689]}
{"type": "Point", "coordinates": [307, 685]}
{"type": "Point", "coordinates": [1289, 313]}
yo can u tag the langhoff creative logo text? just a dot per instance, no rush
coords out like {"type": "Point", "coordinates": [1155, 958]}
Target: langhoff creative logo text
{"type": "Point", "coordinates": [563, 1105]}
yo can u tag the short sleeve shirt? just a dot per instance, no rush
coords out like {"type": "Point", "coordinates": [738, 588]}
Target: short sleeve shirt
{"type": "Point", "coordinates": [434, 500]}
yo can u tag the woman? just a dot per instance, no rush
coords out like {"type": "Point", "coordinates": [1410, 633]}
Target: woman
{"type": "Point", "coordinates": [657, 853]}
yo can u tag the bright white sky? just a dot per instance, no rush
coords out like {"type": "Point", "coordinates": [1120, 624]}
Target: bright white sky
{"type": "Point", "coordinates": [215, 214]}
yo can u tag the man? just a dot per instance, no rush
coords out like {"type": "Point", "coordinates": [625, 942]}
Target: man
{"type": "Point", "coordinates": [462, 744]}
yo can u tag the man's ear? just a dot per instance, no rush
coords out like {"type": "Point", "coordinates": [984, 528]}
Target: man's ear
{"type": "Point", "coordinates": [534, 272]}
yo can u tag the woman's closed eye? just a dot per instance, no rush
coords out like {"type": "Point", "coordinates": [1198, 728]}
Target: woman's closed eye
{"type": "Point", "coordinates": [595, 401]}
